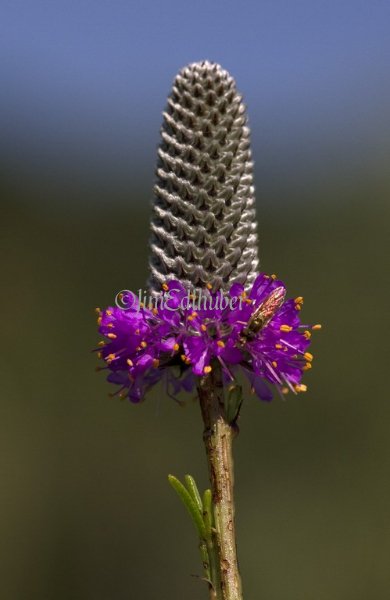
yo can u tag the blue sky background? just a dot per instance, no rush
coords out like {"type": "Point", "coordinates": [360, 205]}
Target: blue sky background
{"type": "Point", "coordinates": [84, 83]}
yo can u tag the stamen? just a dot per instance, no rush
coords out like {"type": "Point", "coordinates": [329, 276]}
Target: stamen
{"type": "Point", "coordinates": [308, 356]}
{"type": "Point", "coordinates": [307, 334]}
{"type": "Point", "coordinates": [274, 364]}
{"type": "Point", "coordinates": [143, 344]}
{"type": "Point", "coordinates": [156, 363]}
{"type": "Point", "coordinates": [101, 343]}
{"type": "Point", "coordinates": [112, 336]}
{"type": "Point", "coordinates": [291, 346]}
{"type": "Point", "coordinates": [301, 387]}
{"type": "Point", "coordinates": [318, 326]}
{"type": "Point", "coordinates": [285, 328]}
{"type": "Point", "coordinates": [176, 347]}
{"type": "Point", "coordinates": [203, 327]}
{"type": "Point", "coordinates": [130, 362]}
{"type": "Point", "coordinates": [278, 346]}
{"type": "Point", "coordinates": [165, 287]}
{"type": "Point", "coordinates": [307, 366]}
{"type": "Point", "coordinates": [209, 286]}
{"type": "Point", "coordinates": [221, 344]}
{"type": "Point", "coordinates": [269, 366]}
{"type": "Point", "coordinates": [207, 370]}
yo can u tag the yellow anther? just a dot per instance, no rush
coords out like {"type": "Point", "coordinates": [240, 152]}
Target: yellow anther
{"type": "Point", "coordinates": [207, 370]}
{"type": "Point", "coordinates": [154, 311]}
{"type": "Point", "coordinates": [109, 313]}
{"type": "Point", "coordinates": [318, 326]}
{"type": "Point", "coordinates": [274, 364]}
{"type": "Point", "coordinates": [143, 344]}
{"type": "Point", "coordinates": [185, 359]}
{"type": "Point", "coordinates": [278, 346]}
{"type": "Point", "coordinates": [101, 343]}
{"type": "Point", "coordinates": [298, 306]}
{"type": "Point", "coordinates": [156, 363]}
{"type": "Point", "coordinates": [299, 300]}
{"type": "Point", "coordinates": [99, 321]}
{"type": "Point", "coordinates": [194, 314]}
{"type": "Point", "coordinates": [307, 366]}
{"type": "Point", "coordinates": [221, 344]}
{"type": "Point", "coordinates": [285, 390]}
{"type": "Point", "coordinates": [307, 334]}
{"type": "Point", "coordinates": [308, 356]}
{"type": "Point", "coordinates": [112, 336]}
{"type": "Point", "coordinates": [285, 328]}
{"type": "Point", "coordinates": [111, 357]}
{"type": "Point", "coordinates": [248, 301]}
{"type": "Point", "coordinates": [99, 354]}
{"type": "Point", "coordinates": [98, 311]}
{"type": "Point", "coordinates": [209, 286]}
{"type": "Point", "coordinates": [243, 295]}
{"type": "Point", "coordinates": [203, 327]}
{"type": "Point", "coordinates": [273, 276]}
{"type": "Point", "coordinates": [130, 362]}
{"type": "Point", "coordinates": [165, 287]}
{"type": "Point", "coordinates": [176, 347]}
{"type": "Point", "coordinates": [110, 325]}
{"type": "Point", "coordinates": [300, 387]}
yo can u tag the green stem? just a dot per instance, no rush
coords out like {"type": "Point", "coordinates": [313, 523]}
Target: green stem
{"type": "Point", "coordinates": [218, 436]}
{"type": "Point", "coordinates": [212, 548]}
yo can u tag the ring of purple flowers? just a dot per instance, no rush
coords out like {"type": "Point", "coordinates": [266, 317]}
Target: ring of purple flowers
{"type": "Point", "coordinates": [262, 336]}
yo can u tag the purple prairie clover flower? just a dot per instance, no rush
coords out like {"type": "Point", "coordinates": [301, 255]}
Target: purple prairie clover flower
{"type": "Point", "coordinates": [180, 338]}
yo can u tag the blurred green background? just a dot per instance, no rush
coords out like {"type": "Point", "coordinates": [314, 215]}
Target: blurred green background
{"type": "Point", "coordinates": [86, 511]}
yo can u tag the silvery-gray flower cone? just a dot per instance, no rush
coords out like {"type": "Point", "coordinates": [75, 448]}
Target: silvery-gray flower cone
{"type": "Point", "coordinates": [203, 223]}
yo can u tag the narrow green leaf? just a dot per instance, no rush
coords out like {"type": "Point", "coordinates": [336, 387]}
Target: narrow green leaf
{"type": "Point", "coordinates": [233, 402]}
{"type": "Point", "coordinates": [190, 505]}
{"type": "Point", "coordinates": [205, 560]}
{"type": "Point", "coordinates": [208, 512]}
{"type": "Point", "coordinates": [194, 492]}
